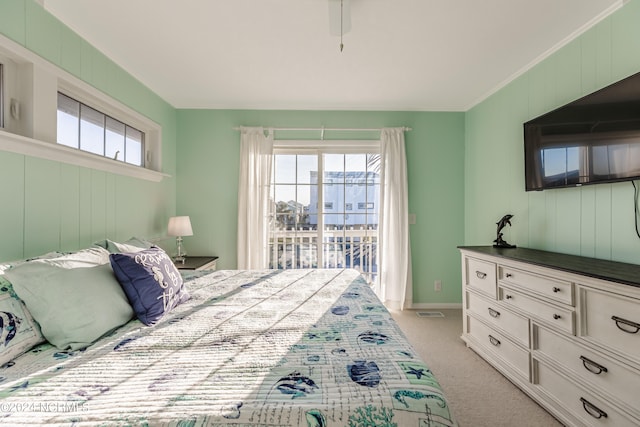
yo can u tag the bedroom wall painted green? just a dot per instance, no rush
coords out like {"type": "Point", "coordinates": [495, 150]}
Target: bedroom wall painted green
{"type": "Point", "coordinates": [60, 206]}
{"type": "Point", "coordinates": [208, 159]}
{"type": "Point", "coordinates": [595, 221]}
{"type": "Point", "coordinates": [55, 206]}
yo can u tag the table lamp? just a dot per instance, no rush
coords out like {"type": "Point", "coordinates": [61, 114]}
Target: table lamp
{"type": "Point", "coordinates": [180, 226]}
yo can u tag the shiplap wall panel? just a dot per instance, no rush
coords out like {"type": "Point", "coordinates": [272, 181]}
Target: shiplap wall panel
{"type": "Point", "coordinates": [550, 218]}
{"type": "Point", "coordinates": [84, 219]}
{"type": "Point", "coordinates": [41, 206]}
{"type": "Point", "coordinates": [54, 206]}
{"type": "Point", "coordinates": [517, 111]}
{"type": "Point", "coordinates": [69, 207]}
{"type": "Point", "coordinates": [602, 48]}
{"type": "Point", "coordinates": [12, 20]}
{"type": "Point", "coordinates": [98, 205]}
{"type": "Point", "coordinates": [595, 221]}
{"type": "Point", "coordinates": [603, 221]}
{"type": "Point", "coordinates": [110, 206]}
{"type": "Point", "coordinates": [623, 248]}
{"type": "Point", "coordinates": [588, 221]}
{"type": "Point", "coordinates": [43, 32]}
{"type": "Point", "coordinates": [12, 195]}
{"type": "Point", "coordinates": [568, 213]}
{"type": "Point", "coordinates": [625, 41]}
{"type": "Point", "coordinates": [70, 48]}
{"type": "Point", "coordinates": [567, 68]}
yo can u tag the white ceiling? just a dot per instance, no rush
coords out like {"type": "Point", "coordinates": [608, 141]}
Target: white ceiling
{"type": "Point", "coordinates": [423, 55]}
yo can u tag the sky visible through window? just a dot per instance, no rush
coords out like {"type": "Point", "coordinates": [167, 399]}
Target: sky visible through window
{"type": "Point", "coordinates": [84, 128]}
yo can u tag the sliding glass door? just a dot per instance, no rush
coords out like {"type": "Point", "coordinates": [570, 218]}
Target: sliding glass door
{"type": "Point", "coordinates": [324, 209]}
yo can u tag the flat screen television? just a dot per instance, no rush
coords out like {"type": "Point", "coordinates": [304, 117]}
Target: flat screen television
{"type": "Point", "coordinates": [592, 140]}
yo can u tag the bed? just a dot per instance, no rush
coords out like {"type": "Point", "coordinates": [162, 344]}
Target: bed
{"type": "Point", "coordinates": [247, 348]}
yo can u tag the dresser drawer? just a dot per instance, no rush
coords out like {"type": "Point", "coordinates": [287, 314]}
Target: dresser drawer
{"type": "Point", "coordinates": [497, 343]}
{"type": "Point", "coordinates": [481, 275]}
{"type": "Point", "coordinates": [562, 318]}
{"type": "Point", "coordinates": [608, 376]}
{"type": "Point", "coordinates": [613, 321]}
{"type": "Point", "coordinates": [589, 409]}
{"type": "Point", "coordinates": [557, 290]}
{"type": "Point", "coordinates": [489, 311]}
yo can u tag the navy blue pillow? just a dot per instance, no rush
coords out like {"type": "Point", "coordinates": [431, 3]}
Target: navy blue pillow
{"type": "Point", "coordinates": [151, 282]}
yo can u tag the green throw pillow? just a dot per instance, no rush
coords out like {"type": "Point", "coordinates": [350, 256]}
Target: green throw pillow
{"type": "Point", "coordinates": [74, 307]}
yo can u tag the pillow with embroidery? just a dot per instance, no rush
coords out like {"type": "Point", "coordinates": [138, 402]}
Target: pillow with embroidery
{"type": "Point", "coordinates": [18, 331]}
{"type": "Point", "coordinates": [151, 282]}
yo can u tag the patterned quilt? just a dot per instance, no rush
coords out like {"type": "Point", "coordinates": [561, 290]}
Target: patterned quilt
{"type": "Point", "coordinates": [250, 348]}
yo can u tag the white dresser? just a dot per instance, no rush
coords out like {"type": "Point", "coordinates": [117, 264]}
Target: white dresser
{"type": "Point", "coordinates": [565, 329]}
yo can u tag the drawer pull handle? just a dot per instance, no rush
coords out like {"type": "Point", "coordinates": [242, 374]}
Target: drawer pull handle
{"type": "Point", "coordinates": [480, 274]}
{"type": "Point", "coordinates": [509, 275]}
{"type": "Point", "coordinates": [556, 289]}
{"type": "Point", "coordinates": [634, 325]}
{"type": "Point", "coordinates": [592, 409]}
{"type": "Point", "coordinates": [494, 313]}
{"type": "Point", "coordinates": [593, 367]}
{"type": "Point", "coordinates": [557, 316]}
{"type": "Point", "coordinates": [508, 296]}
{"type": "Point", "coordinates": [494, 341]}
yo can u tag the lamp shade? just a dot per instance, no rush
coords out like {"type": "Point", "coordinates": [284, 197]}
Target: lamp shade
{"type": "Point", "coordinates": [180, 226]}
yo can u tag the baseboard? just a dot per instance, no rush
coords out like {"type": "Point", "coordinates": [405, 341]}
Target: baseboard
{"type": "Point", "coordinates": [436, 306]}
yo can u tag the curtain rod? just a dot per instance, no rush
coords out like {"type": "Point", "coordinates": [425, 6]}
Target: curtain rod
{"type": "Point", "coordinates": [322, 129]}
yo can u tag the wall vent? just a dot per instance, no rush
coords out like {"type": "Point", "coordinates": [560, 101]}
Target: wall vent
{"type": "Point", "coordinates": [429, 314]}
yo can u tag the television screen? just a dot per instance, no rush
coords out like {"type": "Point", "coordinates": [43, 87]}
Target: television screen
{"type": "Point", "coordinates": [592, 140]}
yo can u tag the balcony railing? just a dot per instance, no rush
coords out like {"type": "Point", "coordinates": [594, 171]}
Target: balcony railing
{"type": "Point", "coordinates": [354, 247]}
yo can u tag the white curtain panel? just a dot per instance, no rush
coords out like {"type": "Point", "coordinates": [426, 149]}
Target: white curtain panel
{"type": "Point", "coordinates": [395, 287]}
{"type": "Point", "coordinates": [256, 154]}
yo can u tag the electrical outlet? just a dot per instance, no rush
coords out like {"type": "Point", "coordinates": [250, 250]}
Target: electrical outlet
{"type": "Point", "coordinates": [437, 285]}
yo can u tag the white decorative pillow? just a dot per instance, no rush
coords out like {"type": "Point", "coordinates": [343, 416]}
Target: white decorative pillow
{"type": "Point", "coordinates": [4, 267]}
{"type": "Point", "coordinates": [18, 331]}
{"type": "Point", "coordinates": [89, 257]}
{"type": "Point", "coordinates": [117, 247]}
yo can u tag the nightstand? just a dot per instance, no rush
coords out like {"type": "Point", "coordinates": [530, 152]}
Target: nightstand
{"type": "Point", "coordinates": [198, 263]}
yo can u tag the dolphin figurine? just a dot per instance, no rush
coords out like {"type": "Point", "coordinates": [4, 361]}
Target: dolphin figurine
{"type": "Point", "coordinates": [504, 221]}
{"type": "Point", "coordinates": [500, 242]}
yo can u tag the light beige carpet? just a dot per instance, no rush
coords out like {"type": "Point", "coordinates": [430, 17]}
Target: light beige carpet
{"type": "Point", "coordinates": [478, 394]}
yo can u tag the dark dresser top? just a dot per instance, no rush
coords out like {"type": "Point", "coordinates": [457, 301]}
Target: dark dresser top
{"type": "Point", "coordinates": [628, 274]}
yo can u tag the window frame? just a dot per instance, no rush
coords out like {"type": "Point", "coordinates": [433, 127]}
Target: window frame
{"type": "Point", "coordinates": [1, 94]}
{"type": "Point", "coordinates": [152, 154]}
{"type": "Point", "coordinates": [32, 84]}
{"type": "Point", "coordinates": [105, 125]}
{"type": "Point", "coordinates": [9, 73]}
